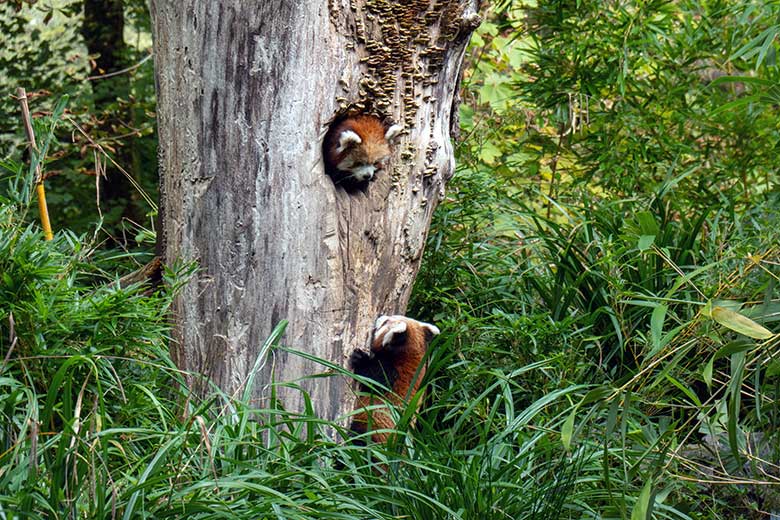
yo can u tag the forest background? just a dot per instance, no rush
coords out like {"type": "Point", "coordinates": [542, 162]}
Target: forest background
{"type": "Point", "coordinates": [604, 270]}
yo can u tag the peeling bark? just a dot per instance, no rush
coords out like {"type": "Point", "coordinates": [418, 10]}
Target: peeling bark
{"type": "Point", "coordinates": [246, 91]}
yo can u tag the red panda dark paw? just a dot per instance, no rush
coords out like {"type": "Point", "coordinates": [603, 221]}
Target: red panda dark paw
{"type": "Point", "coordinates": [358, 358]}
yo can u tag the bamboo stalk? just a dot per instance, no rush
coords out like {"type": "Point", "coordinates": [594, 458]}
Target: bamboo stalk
{"type": "Point", "coordinates": [43, 209]}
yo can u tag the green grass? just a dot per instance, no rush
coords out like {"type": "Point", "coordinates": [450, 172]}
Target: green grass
{"type": "Point", "coordinates": [551, 394]}
{"type": "Point", "coordinates": [608, 301]}
{"type": "Point", "coordinates": [98, 423]}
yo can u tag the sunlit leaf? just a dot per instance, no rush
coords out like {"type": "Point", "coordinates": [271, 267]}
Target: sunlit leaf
{"type": "Point", "coordinates": [567, 429]}
{"type": "Point", "coordinates": [739, 323]}
{"type": "Point", "coordinates": [657, 326]}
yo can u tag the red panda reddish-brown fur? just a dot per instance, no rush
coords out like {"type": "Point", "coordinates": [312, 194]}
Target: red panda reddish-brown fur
{"type": "Point", "coordinates": [398, 348]}
{"type": "Point", "coordinates": [355, 148]}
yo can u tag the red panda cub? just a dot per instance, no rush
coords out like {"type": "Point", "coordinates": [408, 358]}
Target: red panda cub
{"type": "Point", "coordinates": [355, 148]}
{"type": "Point", "coordinates": [398, 347]}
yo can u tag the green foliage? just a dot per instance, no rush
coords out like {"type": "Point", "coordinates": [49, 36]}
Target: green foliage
{"type": "Point", "coordinates": [614, 224]}
{"type": "Point", "coordinates": [40, 51]}
{"type": "Point", "coordinates": [635, 306]}
{"type": "Point", "coordinates": [621, 95]}
{"type": "Point", "coordinates": [79, 355]}
{"type": "Point", "coordinates": [97, 421]}
{"type": "Point", "coordinates": [45, 52]}
{"type": "Point", "coordinates": [604, 269]}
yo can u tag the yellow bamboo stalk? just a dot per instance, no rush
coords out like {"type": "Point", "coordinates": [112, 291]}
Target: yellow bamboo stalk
{"type": "Point", "coordinates": [43, 209]}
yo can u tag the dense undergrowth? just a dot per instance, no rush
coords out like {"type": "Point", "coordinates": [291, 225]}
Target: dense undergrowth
{"type": "Point", "coordinates": [604, 269]}
{"type": "Point", "coordinates": [615, 226]}
{"type": "Point", "coordinates": [97, 421]}
{"type": "Point", "coordinates": [579, 376]}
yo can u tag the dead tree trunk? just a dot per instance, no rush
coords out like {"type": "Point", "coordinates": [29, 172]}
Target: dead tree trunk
{"type": "Point", "coordinates": [246, 91]}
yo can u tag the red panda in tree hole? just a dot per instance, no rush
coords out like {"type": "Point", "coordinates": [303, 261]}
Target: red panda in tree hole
{"type": "Point", "coordinates": [356, 148]}
{"type": "Point", "coordinates": [398, 347]}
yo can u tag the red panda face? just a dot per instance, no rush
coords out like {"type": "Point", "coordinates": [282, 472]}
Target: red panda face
{"type": "Point", "coordinates": [361, 157]}
{"type": "Point", "coordinates": [356, 148]}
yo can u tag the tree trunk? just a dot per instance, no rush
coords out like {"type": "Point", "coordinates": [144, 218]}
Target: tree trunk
{"type": "Point", "coordinates": [246, 91]}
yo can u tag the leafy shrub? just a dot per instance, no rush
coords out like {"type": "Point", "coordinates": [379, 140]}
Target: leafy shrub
{"type": "Point", "coordinates": [604, 237]}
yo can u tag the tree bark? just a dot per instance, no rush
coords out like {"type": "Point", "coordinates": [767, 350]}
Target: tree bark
{"type": "Point", "coordinates": [246, 91]}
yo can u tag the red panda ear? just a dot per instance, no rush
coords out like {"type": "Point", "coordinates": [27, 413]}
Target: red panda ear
{"type": "Point", "coordinates": [396, 335]}
{"type": "Point", "coordinates": [380, 321]}
{"type": "Point", "coordinates": [348, 139]}
{"type": "Point", "coordinates": [393, 132]}
{"type": "Point", "coordinates": [389, 332]}
{"type": "Point", "coordinates": [430, 331]}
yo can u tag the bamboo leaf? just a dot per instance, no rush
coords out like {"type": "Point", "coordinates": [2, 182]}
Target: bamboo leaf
{"type": "Point", "coordinates": [773, 368]}
{"type": "Point", "coordinates": [707, 372]}
{"type": "Point", "coordinates": [739, 323]}
{"type": "Point", "coordinates": [656, 327]}
{"type": "Point", "coordinates": [567, 430]}
{"type": "Point", "coordinates": [642, 509]}
{"type": "Point", "coordinates": [647, 223]}
{"type": "Point", "coordinates": [596, 395]}
{"type": "Point", "coordinates": [732, 347]}
{"type": "Point", "coordinates": [645, 241]}
{"type": "Point", "coordinates": [684, 389]}
{"type": "Point", "coordinates": [734, 404]}
{"type": "Point", "coordinates": [736, 104]}
{"type": "Point", "coordinates": [740, 79]}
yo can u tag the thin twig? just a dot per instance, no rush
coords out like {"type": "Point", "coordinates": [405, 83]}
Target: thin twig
{"type": "Point", "coordinates": [21, 96]}
{"type": "Point", "coordinates": [118, 167]}
{"type": "Point", "coordinates": [118, 72]}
